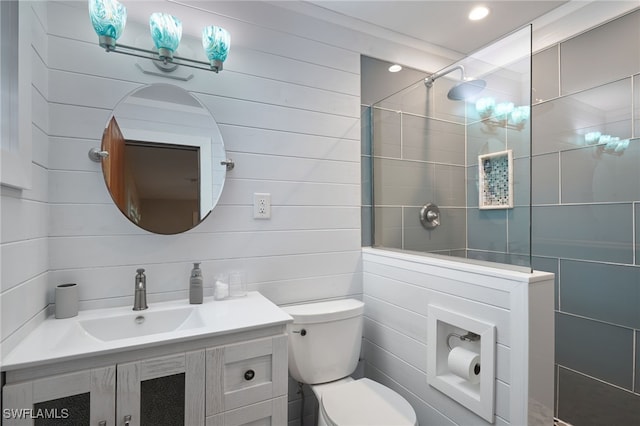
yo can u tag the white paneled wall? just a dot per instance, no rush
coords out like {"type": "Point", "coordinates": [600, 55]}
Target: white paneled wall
{"type": "Point", "coordinates": [398, 288]}
{"type": "Point", "coordinates": [288, 107]}
{"type": "Point", "coordinates": [289, 120]}
{"type": "Point", "coordinates": [291, 124]}
{"type": "Point", "coordinates": [24, 249]}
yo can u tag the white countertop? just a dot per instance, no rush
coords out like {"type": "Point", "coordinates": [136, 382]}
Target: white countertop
{"type": "Point", "coordinates": [56, 340]}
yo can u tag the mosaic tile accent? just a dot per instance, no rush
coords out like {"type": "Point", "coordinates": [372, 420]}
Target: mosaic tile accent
{"type": "Point", "coordinates": [496, 180]}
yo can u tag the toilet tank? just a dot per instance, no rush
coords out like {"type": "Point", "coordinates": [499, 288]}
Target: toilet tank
{"type": "Point", "coordinates": [324, 340]}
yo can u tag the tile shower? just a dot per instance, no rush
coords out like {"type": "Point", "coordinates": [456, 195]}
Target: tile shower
{"type": "Point", "coordinates": [408, 173]}
{"type": "Point", "coordinates": [585, 204]}
{"type": "Point", "coordinates": [586, 216]}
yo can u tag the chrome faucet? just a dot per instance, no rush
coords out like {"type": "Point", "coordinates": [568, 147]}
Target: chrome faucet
{"type": "Point", "coordinates": [140, 291]}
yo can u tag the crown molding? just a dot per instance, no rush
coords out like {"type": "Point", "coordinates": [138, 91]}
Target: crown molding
{"type": "Point", "coordinates": [576, 17]}
{"type": "Point", "coordinates": [376, 31]}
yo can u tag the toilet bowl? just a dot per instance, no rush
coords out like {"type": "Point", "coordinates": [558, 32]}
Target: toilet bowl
{"type": "Point", "coordinates": [362, 402]}
{"type": "Point", "coordinates": [324, 347]}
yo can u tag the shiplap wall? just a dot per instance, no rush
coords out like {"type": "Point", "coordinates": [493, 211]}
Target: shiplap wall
{"type": "Point", "coordinates": [287, 104]}
{"type": "Point", "coordinates": [24, 248]}
{"type": "Point", "coordinates": [288, 107]}
{"type": "Point", "coordinates": [297, 140]}
{"type": "Point", "coordinates": [397, 291]}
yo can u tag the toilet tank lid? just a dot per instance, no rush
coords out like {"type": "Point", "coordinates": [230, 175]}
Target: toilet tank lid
{"type": "Point", "coordinates": [332, 310]}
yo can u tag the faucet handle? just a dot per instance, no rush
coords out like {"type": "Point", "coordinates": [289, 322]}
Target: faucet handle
{"type": "Point", "coordinates": [141, 278]}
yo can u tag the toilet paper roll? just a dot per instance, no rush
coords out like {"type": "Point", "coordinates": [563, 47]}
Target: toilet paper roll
{"type": "Point", "coordinates": [464, 363]}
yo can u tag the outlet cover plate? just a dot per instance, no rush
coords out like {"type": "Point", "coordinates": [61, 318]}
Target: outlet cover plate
{"type": "Point", "coordinates": [261, 205]}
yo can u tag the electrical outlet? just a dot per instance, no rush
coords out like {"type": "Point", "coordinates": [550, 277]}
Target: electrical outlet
{"type": "Point", "coordinates": [261, 205]}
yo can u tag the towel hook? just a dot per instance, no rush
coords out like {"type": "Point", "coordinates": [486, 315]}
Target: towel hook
{"type": "Point", "coordinates": [96, 155]}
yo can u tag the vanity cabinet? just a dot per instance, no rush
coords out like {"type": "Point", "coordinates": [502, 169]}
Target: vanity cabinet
{"type": "Point", "coordinates": [244, 382]}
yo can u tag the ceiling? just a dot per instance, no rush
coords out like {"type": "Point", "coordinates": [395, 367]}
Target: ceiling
{"type": "Point", "coordinates": [440, 23]}
{"type": "Point", "coordinates": [418, 23]}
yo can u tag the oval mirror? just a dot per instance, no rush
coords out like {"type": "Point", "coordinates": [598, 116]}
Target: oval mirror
{"type": "Point", "coordinates": [166, 164]}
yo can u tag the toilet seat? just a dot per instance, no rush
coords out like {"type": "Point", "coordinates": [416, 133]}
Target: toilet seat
{"type": "Point", "coordinates": [365, 402]}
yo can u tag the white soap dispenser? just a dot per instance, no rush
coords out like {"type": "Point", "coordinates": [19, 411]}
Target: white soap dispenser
{"type": "Point", "coordinates": [195, 285]}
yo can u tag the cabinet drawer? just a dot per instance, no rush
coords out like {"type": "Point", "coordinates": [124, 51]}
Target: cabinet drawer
{"type": "Point", "coordinates": [245, 373]}
{"type": "Point", "coordinates": [266, 413]}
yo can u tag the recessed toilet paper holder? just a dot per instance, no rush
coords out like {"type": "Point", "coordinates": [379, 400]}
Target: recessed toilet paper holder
{"type": "Point", "coordinates": [456, 370]}
{"type": "Point", "coordinates": [469, 337]}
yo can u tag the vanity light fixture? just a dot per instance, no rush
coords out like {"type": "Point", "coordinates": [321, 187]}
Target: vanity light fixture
{"type": "Point", "coordinates": [503, 114]}
{"type": "Point", "coordinates": [109, 17]}
{"type": "Point", "coordinates": [606, 143]}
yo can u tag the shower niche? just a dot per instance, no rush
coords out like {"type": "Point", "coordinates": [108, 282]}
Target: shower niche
{"type": "Point", "coordinates": [495, 180]}
{"type": "Point", "coordinates": [458, 138]}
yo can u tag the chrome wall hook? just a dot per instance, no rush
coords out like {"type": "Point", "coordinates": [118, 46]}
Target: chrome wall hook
{"type": "Point", "coordinates": [229, 163]}
{"type": "Point", "coordinates": [96, 155]}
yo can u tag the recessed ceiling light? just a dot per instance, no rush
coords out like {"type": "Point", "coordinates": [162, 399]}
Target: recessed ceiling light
{"type": "Point", "coordinates": [395, 68]}
{"type": "Point", "coordinates": [478, 12]}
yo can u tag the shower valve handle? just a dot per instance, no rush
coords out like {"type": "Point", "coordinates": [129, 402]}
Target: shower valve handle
{"type": "Point", "coordinates": [430, 216]}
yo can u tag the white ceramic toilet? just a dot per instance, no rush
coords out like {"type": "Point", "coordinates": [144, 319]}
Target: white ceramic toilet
{"type": "Point", "coordinates": [324, 346]}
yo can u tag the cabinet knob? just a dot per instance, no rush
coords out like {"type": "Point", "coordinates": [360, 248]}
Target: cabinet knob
{"type": "Point", "coordinates": [102, 423]}
{"type": "Point", "coordinates": [249, 375]}
{"type": "Point", "coordinates": [127, 420]}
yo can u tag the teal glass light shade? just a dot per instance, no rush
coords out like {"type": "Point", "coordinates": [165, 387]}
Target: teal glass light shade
{"type": "Point", "coordinates": [216, 42]}
{"type": "Point", "coordinates": [108, 18]}
{"type": "Point", "coordinates": [166, 32]}
{"type": "Point", "coordinates": [485, 107]}
{"type": "Point", "coordinates": [622, 145]}
{"type": "Point", "coordinates": [519, 115]}
{"type": "Point", "coordinates": [592, 138]}
{"type": "Point", "coordinates": [504, 110]}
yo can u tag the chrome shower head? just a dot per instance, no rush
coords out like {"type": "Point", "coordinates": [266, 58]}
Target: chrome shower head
{"type": "Point", "coordinates": [460, 91]}
{"type": "Point", "coordinates": [466, 89]}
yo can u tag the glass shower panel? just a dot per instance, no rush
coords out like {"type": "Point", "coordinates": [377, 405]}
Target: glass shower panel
{"type": "Point", "coordinates": [465, 151]}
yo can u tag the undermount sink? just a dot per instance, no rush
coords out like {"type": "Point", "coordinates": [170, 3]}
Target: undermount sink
{"type": "Point", "coordinates": [142, 323]}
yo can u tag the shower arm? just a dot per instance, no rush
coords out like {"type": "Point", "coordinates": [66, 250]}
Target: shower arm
{"type": "Point", "coordinates": [429, 80]}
